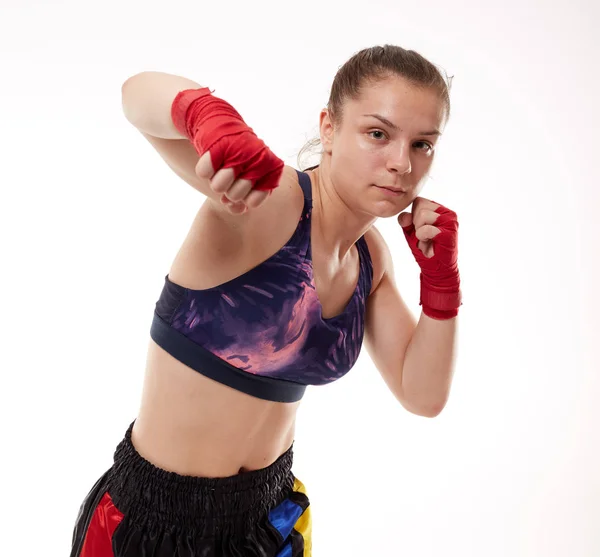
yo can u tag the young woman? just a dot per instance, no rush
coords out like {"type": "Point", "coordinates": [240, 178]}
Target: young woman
{"type": "Point", "coordinates": [280, 279]}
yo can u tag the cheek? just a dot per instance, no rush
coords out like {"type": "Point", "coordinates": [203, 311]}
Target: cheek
{"type": "Point", "coordinates": [368, 148]}
{"type": "Point", "coordinates": [357, 160]}
{"type": "Point", "coordinates": [417, 191]}
{"type": "Point", "coordinates": [368, 155]}
{"type": "Point", "coordinates": [357, 145]}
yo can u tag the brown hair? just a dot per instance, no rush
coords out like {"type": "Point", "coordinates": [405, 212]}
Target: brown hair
{"type": "Point", "coordinates": [371, 65]}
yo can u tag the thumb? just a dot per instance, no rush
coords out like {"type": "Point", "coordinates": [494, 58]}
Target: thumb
{"type": "Point", "coordinates": [405, 219]}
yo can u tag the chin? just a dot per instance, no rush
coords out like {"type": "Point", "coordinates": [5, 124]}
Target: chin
{"type": "Point", "coordinates": [392, 205]}
{"type": "Point", "coordinates": [387, 210]}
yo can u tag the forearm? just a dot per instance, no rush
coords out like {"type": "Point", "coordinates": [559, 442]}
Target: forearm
{"type": "Point", "coordinates": [429, 363]}
{"type": "Point", "coordinates": [147, 98]}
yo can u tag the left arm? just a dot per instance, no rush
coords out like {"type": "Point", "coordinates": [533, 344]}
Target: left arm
{"type": "Point", "coordinates": [429, 363]}
{"type": "Point", "coordinates": [416, 360]}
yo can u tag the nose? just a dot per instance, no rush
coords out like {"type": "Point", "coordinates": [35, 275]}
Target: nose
{"type": "Point", "coordinates": [399, 161]}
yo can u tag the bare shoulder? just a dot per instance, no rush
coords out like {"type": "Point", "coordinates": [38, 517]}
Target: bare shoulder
{"type": "Point", "coordinates": [288, 194]}
{"type": "Point", "coordinates": [221, 246]}
{"type": "Point", "coordinates": [381, 256]}
{"type": "Point", "coordinates": [270, 225]}
{"type": "Point", "coordinates": [283, 201]}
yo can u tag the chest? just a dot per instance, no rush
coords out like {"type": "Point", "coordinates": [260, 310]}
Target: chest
{"type": "Point", "coordinates": [335, 285]}
{"type": "Point", "coordinates": [216, 251]}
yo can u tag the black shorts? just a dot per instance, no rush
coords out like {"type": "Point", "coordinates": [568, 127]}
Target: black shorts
{"type": "Point", "coordinates": [137, 509]}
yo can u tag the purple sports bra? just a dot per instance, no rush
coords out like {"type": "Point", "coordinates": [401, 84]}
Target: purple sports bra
{"type": "Point", "coordinates": [263, 332]}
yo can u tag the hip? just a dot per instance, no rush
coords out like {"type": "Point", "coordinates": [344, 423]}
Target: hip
{"type": "Point", "coordinates": [137, 508]}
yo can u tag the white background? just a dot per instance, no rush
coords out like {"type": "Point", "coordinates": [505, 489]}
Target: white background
{"type": "Point", "coordinates": [91, 219]}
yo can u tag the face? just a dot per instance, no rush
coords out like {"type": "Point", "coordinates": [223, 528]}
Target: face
{"type": "Point", "coordinates": [365, 153]}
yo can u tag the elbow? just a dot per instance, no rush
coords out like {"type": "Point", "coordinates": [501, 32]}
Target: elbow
{"type": "Point", "coordinates": [147, 100]}
{"type": "Point", "coordinates": [126, 104]}
{"type": "Point", "coordinates": [128, 82]}
{"type": "Point", "coordinates": [427, 413]}
{"type": "Point", "coordinates": [432, 410]}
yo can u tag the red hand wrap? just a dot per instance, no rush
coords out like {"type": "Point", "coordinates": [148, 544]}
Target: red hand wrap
{"type": "Point", "coordinates": [440, 280]}
{"type": "Point", "coordinates": [212, 124]}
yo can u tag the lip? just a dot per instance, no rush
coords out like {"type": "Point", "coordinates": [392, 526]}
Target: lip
{"type": "Point", "coordinates": [392, 189]}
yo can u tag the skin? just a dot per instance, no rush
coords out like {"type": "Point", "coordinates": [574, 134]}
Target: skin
{"type": "Point", "coordinates": [192, 425]}
{"type": "Point", "coordinates": [364, 152]}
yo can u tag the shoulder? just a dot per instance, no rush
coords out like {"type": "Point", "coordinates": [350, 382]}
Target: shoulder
{"type": "Point", "coordinates": [273, 222]}
{"type": "Point", "coordinates": [381, 256]}
{"type": "Point", "coordinates": [226, 245]}
{"type": "Point", "coordinates": [286, 199]}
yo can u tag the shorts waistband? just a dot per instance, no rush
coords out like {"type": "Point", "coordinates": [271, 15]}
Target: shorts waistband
{"type": "Point", "coordinates": [149, 494]}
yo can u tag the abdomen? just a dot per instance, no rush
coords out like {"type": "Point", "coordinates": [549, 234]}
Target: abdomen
{"type": "Point", "coordinates": [193, 425]}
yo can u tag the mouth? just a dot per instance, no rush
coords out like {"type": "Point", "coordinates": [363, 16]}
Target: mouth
{"type": "Point", "coordinates": [391, 190]}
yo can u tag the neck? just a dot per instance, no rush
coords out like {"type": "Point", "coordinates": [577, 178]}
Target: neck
{"type": "Point", "coordinates": [335, 222]}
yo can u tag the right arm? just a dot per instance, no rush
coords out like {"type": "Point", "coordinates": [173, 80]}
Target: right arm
{"type": "Point", "coordinates": [147, 98]}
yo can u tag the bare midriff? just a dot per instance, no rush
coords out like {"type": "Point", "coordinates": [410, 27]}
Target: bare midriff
{"type": "Point", "coordinates": [193, 425]}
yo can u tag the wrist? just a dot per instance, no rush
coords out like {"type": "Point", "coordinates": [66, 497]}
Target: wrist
{"type": "Point", "coordinates": [184, 122]}
{"type": "Point", "coordinates": [206, 119]}
{"type": "Point", "coordinates": [442, 298]}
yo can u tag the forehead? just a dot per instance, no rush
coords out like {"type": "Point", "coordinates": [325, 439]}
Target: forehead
{"type": "Point", "coordinates": [399, 101]}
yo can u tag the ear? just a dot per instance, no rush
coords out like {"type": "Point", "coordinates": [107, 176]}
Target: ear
{"type": "Point", "coordinates": [326, 130]}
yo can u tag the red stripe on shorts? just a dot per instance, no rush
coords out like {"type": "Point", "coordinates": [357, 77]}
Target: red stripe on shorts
{"type": "Point", "coordinates": [98, 538]}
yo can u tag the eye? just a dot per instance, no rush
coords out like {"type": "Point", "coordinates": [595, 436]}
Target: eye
{"type": "Point", "coordinates": [377, 131]}
{"type": "Point", "coordinates": [427, 144]}
{"type": "Point", "coordinates": [428, 147]}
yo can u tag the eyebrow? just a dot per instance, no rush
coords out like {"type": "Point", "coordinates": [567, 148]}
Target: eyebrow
{"type": "Point", "coordinates": [394, 127]}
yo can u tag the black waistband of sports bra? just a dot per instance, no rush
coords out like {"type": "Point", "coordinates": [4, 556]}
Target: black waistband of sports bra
{"type": "Point", "coordinates": [205, 362]}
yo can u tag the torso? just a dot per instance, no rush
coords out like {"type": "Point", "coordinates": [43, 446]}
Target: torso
{"type": "Point", "coordinates": [190, 424]}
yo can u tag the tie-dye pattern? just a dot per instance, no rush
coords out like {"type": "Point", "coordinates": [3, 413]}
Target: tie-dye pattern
{"type": "Point", "coordinates": [269, 320]}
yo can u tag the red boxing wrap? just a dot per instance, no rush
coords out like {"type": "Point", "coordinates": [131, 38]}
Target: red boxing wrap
{"type": "Point", "coordinates": [212, 124]}
{"type": "Point", "coordinates": [440, 280]}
